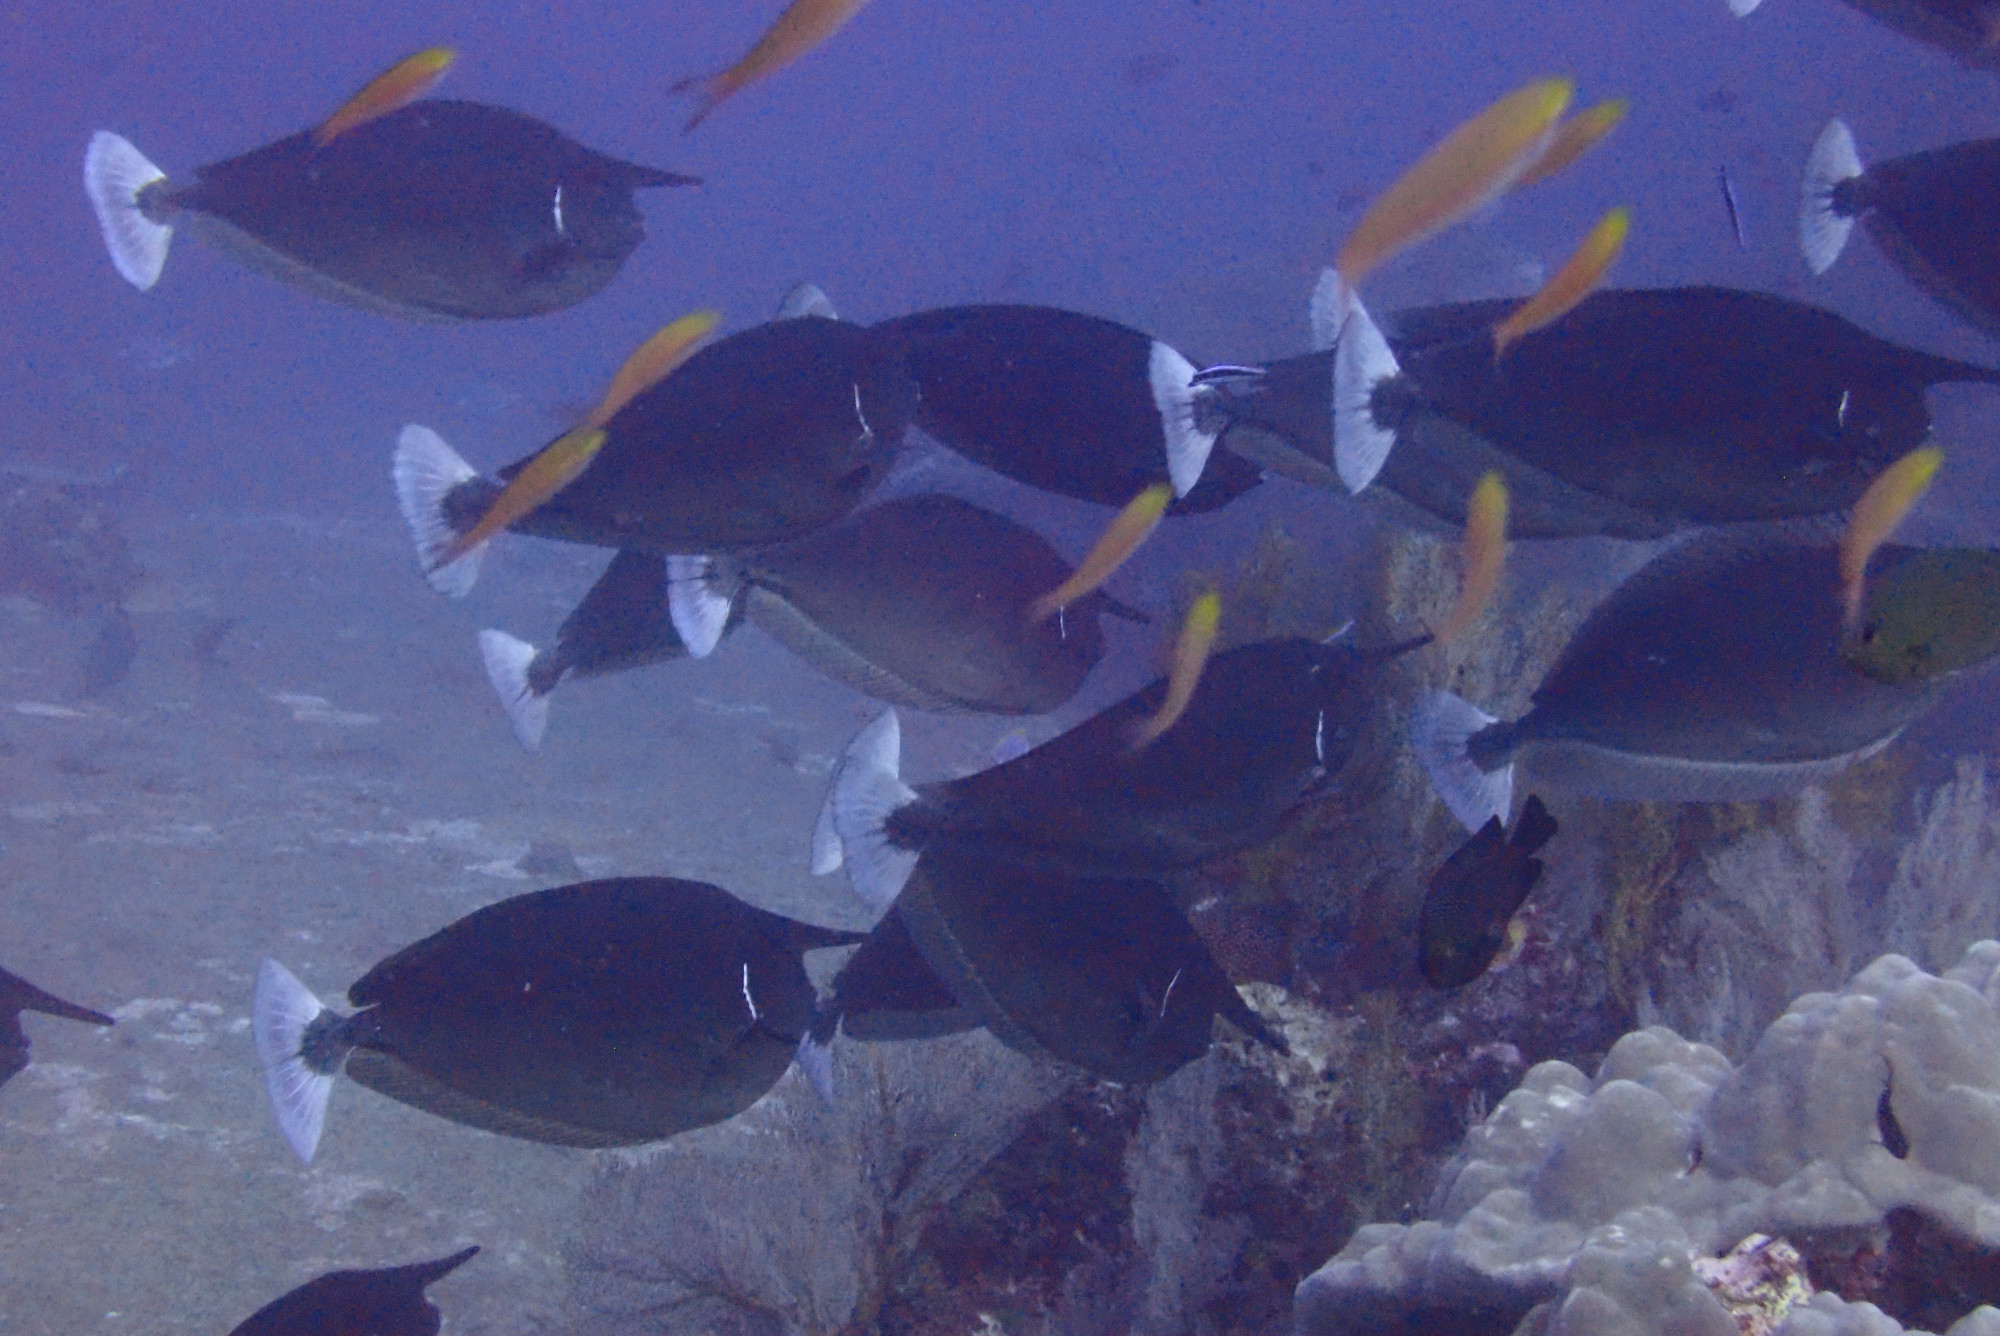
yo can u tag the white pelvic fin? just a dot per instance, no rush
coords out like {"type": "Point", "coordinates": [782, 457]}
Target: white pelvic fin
{"type": "Point", "coordinates": [1822, 231]}
{"type": "Point", "coordinates": [1439, 730]}
{"type": "Point", "coordinates": [113, 174]}
{"type": "Point", "coordinates": [1743, 9]}
{"type": "Point", "coordinates": [426, 469]}
{"type": "Point", "coordinates": [700, 614]}
{"type": "Point", "coordinates": [282, 1009]}
{"type": "Point", "coordinates": [1174, 395]}
{"type": "Point", "coordinates": [1361, 361]}
{"type": "Point", "coordinates": [807, 299]}
{"type": "Point", "coordinates": [507, 659]}
{"type": "Point", "coordinates": [816, 1065]}
{"type": "Point", "coordinates": [1327, 309]}
{"type": "Point", "coordinates": [866, 789]}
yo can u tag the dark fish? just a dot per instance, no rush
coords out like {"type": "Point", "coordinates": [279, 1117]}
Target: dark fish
{"type": "Point", "coordinates": [921, 601]}
{"type": "Point", "coordinates": [1730, 205]}
{"type": "Point", "coordinates": [387, 1302]}
{"type": "Point", "coordinates": [1473, 897]}
{"type": "Point", "coordinates": [441, 210]}
{"type": "Point", "coordinates": [607, 1013]}
{"type": "Point", "coordinates": [622, 623]}
{"type": "Point", "coordinates": [1641, 413]}
{"type": "Point", "coordinates": [18, 995]}
{"type": "Point", "coordinates": [1719, 672]}
{"type": "Point", "coordinates": [1268, 728]}
{"type": "Point", "coordinates": [1931, 213]}
{"type": "Point", "coordinates": [1968, 29]}
{"type": "Point", "coordinates": [1069, 403]}
{"type": "Point", "coordinates": [761, 437]}
{"type": "Point", "coordinates": [1105, 975]}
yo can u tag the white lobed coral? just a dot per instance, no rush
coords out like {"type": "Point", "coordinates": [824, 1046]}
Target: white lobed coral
{"type": "Point", "coordinates": [1580, 1205]}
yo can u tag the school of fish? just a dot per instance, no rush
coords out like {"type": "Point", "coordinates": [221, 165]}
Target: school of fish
{"type": "Point", "coordinates": [1779, 636]}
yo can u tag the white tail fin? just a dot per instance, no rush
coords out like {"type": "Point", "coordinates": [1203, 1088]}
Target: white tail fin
{"type": "Point", "coordinates": [1188, 446]}
{"type": "Point", "coordinates": [113, 174]}
{"type": "Point", "coordinates": [866, 789]}
{"type": "Point", "coordinates": [700, 614]}
{"type": "Point", "coordinates": [1822, 229]}
{"type": "Point", "coordinates": [1743, 9]}
{"type": "Point", "coordinates": [426, 469]}
{"type": "Point", "coordinates": [1361, 361]}
{"type": "Point", "coordinates": [816, 1065]}
{"type": "Point", "coordinates": [282, 1009]}
{"type": "Point", "coordinates": [827, 855]}
{"type": "Point", "coordinates": [807, 299]}
{"type": "Point", "coordinates": [1439, 730]}
{"type": "Point", "coordinates": [507, 659]}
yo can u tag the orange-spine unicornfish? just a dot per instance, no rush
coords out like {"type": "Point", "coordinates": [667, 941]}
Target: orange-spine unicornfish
{"type": "Point", "coordinates": [803, 26]}
{"type": "Point", "coordinates": [1121, 538]}
{"type": "Point", "coordinates": [564, 458]}
{"type": "Point", "coordinates": [1485, 554]}
{"type": "Point", "coordinates": [398, 86]}
{"type": "Point", "coordinates": [1573, 138]}
{"type": "Point", "coordinates": [1471, 165]}
{"type": "Point", "coordinates": [1876, 515]}
{"type": "Point", "coordinates": [1190, 657]}
{"type": "Point", "coordinates": [1569, 285]}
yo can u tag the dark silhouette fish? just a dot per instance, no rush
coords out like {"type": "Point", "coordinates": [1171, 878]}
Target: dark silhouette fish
{"type": "Point", "coordinates": [1104, 975]}
{"type": "Point", "coordinates": [440, 210]}
{"type": "Point", "coordinates": [1072, 404]}
{"type": "Point", "coordinates": [621, 623]}
{"type": "Point", "coordinates": [1640, 413]}
{"type": "Point", "coordinates": [921, 601]}
{"type": "Point", "coordinates": [1267, 729]}
{"type": "Point", "coordinates": [1473, 897]}
{"type": "Point", "coordinates": [760, 437]}
{"type": "Point", "coordinates": [18, 995]}
{"type": "Point", "coordinates": [1719, 672]}
{"type": "Point", "coordinates": [386, 1302]}
{"type": "Point", "coordinates": [606, 1013]}
{"type": "Point", "coordinates": [1968, 29]}
{"type": "Point", "coordinates": [1931, 213]}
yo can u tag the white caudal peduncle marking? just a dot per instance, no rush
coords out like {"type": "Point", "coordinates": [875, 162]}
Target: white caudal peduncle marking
{"type": "Point", "coordinates": [558, 210]}
{"type": "Point", "coordinates": [748, 1000]}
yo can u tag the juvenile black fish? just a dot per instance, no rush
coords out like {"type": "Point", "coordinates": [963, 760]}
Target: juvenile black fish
{"type": "Point", "coordinates": [621, 623]}
{"type": "Point", "coordinates": [759, 438]}
{"type": "Point", "coordinates": [921, 601]}
{"type": "Point", "coordinates": [1931, 213]}
{"type": "Point", "coordinates": [1268, 727]}
{"type": "Point", "coordinates": [606, 1013]}
{"type": "Point", "coordinates": [1720, 672]}
{"type": "Point", "coordinates": [1105, 975]}
{"type": "Point", "coordinates": [1069, 403]}
{"type": "Point", "coordinates": [1640, 413]}
{"type": "Point", "coordinates": [385, 1302]}
{"type": "Point", "coordinates": [441, 210]}
{"type": "Point", "coordinates": [1477, 892]}
{"type": "Point", "coordinates": [18, 995]}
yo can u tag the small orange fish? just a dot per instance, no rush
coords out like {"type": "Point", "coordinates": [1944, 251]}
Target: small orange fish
{"type": "Point", "coordinates": [568, 455]}
{"type": "Point", "coordinates": [1472, 164]}
{"type": "Point", "coordinates": [1876, 515]}
{"type": "Point", "coordinates": [1121, 538]}
{"type": "Point", "coordinates": [398, 86]}
{"type": "Point", "coordinates": [1573, 138]}
{"type": "Point", "coordinates": [1485, 554]}
{"type": "Point", "coordinates": [803, 26]}
{"type": "Point", "coordinates": [1190, 657]}
{"type": "Point", "coordinates": [1577, 279]}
